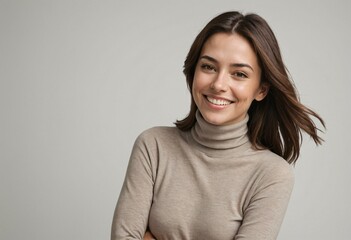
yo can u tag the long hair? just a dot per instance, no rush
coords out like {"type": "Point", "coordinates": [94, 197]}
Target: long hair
{"type": "Point", "coordinates": [276, 123]}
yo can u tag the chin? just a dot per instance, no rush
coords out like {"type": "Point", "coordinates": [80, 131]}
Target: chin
{"type": "Point", "coordinates": [215, 120]}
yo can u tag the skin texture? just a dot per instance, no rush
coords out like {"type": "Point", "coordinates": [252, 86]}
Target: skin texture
{"type": "Point", "coordinates": [148, 236]}
{"type": "Point", "coordinates": [227, 72]}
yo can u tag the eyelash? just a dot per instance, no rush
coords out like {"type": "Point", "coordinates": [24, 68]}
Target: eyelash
{"type": "Point", "coordinates": [240, 74]}
{"type": "Point", "coordinates": [208, 67]}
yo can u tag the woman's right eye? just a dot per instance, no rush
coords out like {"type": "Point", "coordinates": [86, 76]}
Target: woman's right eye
{"type": "Point", "coordinates": [207, 67]}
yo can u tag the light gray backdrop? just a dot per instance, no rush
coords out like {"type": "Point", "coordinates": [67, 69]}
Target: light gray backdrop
{"type": "Point", "coordinates": [79, 80]}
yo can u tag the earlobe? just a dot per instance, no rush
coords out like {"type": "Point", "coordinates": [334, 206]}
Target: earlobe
{"type": "Point", "coordinates": [263, 91]}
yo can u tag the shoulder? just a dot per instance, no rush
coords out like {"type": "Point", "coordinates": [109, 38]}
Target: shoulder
{"type": "Point", "coordinates": [158, 141]}
{"type": "Point", "coordinates": [158, 132]}
{"type": "Point", "coordinates": [158, 135]}
{"type": "Point", "coordinates": [273, 167]}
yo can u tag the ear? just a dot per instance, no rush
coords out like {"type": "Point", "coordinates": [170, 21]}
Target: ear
{"type": "Point", "coordinates": [262, 91]}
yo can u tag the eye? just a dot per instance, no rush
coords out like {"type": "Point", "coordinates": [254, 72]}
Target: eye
{"type": "Point", "coordinates": [240, 74]}
{"type": "Point", "coordinates": [207, 67]}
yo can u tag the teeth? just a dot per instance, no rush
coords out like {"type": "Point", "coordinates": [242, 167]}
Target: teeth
{"type": "Point", "coordinates": [218, 101]}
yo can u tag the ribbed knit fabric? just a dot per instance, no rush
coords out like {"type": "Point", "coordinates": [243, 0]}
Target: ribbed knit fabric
{"type": "Point", "coordinates": [207, 183]}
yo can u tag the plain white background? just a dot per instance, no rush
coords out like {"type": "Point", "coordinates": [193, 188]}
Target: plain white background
{"type": "Point", "coordinates": [79, 80]}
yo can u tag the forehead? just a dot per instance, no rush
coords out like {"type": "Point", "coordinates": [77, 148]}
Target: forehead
{"type": "Point", "coordinates": [229, 46]}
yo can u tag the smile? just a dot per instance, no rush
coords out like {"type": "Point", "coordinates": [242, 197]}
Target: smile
{"type": "Point", "coordinates": [219, 102]}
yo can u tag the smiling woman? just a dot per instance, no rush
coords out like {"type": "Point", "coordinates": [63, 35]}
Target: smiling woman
{"type": "Point", "coordinates": [227, 79]}
{"type": "Point", "coordinates": [223, 172]}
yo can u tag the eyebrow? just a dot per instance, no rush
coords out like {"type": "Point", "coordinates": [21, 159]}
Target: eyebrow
{"type": "Point", "coordinates": [211, 59]}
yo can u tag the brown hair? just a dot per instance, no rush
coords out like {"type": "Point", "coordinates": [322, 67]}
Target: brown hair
{"type": "Point", "coordinates": [275, 122]}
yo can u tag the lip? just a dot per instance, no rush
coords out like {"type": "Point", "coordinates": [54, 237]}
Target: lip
{"type": "Point", "coordinates": [218, 98]}
{"type": "Point", "coordinates": [215, 106]}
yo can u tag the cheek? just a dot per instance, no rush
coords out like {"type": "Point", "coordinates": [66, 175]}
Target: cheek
{"type": "Point", "coordinates": [197, 83]}
{"type": "Point", "coordinates": [244, 93]}
{"type": "Point", "coordinates": [240, 91]}
{"type": "Point", "coordinates": [202, 81]}
{"type": "Point", "coordinates": [194, 87]}
{"type": "Point", "coordinates": [195, 90]}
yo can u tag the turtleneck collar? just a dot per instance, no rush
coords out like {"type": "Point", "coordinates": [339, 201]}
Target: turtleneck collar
{"type": "Point", "coordinates": [220, 137]}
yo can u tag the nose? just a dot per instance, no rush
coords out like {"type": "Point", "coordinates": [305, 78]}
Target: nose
{"type": "Point", "coordinates": [220, 82]}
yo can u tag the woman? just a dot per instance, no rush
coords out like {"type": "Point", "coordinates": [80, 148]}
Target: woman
{"type": "Point", "coordinates": [225, 171]}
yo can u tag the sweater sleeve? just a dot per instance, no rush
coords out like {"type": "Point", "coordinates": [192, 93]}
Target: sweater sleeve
{"type": "Point", "coordinates": [267, 206]}
{"type": "Point", "coordinates": [132, 211]}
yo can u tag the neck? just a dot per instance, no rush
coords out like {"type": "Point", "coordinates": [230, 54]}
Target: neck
{"type": "Point", "coordinates": [220, 137]}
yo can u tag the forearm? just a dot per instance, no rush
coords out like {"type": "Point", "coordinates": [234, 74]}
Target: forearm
{"type": "Point", "coordinates": [263, 216]}
{"type": "Point", "coordinates": [132, 211]}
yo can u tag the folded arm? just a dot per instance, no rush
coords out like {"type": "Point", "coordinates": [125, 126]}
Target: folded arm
{"type": "Point", "coordinates": [132, 211]}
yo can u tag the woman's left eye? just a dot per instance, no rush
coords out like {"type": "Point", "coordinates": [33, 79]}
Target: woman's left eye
{"type": "Point", "coordinates": [240, 75]}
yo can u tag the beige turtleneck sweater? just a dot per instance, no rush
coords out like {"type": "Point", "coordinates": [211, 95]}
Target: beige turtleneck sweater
{"type": "Point", "coordinates": [207, 183]}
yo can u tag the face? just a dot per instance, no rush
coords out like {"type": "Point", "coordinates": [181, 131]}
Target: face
{"type": "Point", "coordinates": [227, 79]}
